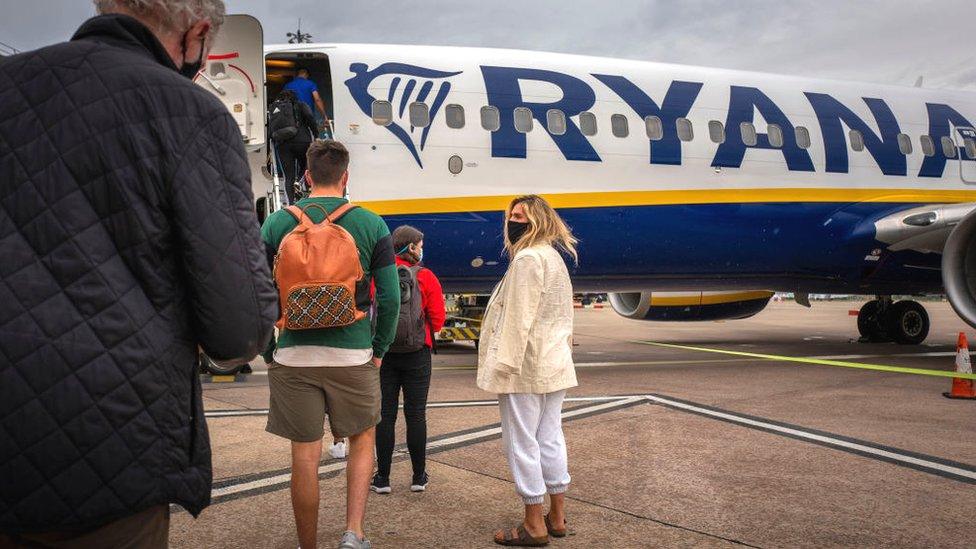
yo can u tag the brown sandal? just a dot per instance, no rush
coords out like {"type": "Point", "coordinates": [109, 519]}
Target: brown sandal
{"type": "Point", "coordinates": [560, 533]}
{"type": "Point", "coordinates": [521, 538]}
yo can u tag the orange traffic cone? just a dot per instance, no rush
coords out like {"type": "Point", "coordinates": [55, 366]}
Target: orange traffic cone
{"type": "Point", "coordinates": [961, 387]}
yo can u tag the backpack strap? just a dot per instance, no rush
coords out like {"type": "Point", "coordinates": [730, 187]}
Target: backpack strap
{"type": "Point", "coordinates": [339, 212]}
{"type": "Point", "coordinates": [295, 212]}
{"type": "Point", "coordinates": [300, 214]}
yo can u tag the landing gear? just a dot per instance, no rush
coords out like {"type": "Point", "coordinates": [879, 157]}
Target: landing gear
{"type": "Point", "coordinates": [881, 320]}
{"type": "Point", "coordinates": [908, 323]}
{"type": "Point", "coordinates": [870, 321]}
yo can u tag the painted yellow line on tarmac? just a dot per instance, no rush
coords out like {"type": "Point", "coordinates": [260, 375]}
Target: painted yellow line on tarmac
{"type": "Point", "coordinates": [818, 361]}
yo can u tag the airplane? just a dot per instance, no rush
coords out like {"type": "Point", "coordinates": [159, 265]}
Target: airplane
{"type": "Point", "coordinates": [696, 193]}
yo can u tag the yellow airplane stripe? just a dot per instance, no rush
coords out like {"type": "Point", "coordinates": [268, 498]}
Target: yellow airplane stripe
{"type": "Point", "coordinates": [660, 198]}
{"type": "Point", "coordinates": [715, 299]}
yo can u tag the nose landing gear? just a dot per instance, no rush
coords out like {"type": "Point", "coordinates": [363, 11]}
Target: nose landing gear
{"type": "Point", "coordinates": [881, 320]}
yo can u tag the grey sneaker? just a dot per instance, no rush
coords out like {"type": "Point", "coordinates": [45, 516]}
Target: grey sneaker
{"type": "Point", "coordinates": [351, 541]}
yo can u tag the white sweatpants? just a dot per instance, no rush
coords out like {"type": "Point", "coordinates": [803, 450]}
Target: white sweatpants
{"type": "Point", "coordinates": [532, 433]}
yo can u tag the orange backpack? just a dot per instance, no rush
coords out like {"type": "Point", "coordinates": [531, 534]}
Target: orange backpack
{"type": "Point", "coordinates": [316, 270]}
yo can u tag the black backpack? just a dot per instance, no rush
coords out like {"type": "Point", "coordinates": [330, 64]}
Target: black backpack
{"type": "Point", "coordinates": [282, 120]}
{"type": "Point", "coordinates": [411, 333]}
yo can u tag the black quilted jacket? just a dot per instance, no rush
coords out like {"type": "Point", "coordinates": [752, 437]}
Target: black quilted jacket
{"type": "Point", "coordinates": [127, 238]}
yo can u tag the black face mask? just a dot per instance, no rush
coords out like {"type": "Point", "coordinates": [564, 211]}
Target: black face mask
{"type": "Point", "coordinates": [516, 230]}
{"type": "Point", "coordinates": [190, 70]}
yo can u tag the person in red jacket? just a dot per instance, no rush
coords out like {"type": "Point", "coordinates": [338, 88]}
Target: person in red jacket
{"type": "Point", "coordinates": [407, 365]}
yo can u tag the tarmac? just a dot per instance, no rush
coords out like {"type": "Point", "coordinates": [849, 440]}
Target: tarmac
{"type": "Point", "coordinates": [669, 446]}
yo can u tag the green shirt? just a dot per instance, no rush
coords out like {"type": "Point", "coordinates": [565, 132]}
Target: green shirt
{"type": "Point", "coordinates": [375, 246]}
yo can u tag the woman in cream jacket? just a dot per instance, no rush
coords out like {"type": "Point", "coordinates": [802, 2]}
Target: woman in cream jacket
{"type": "Point", "coordinates": [526, 358]}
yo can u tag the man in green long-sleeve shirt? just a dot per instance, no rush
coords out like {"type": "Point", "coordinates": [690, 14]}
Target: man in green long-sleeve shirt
{"type": "Point", "coordinates": [334, 370]}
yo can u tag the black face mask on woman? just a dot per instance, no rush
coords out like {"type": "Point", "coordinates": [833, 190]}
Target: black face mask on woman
{"type": "Point", "coordinates": [516, 230]}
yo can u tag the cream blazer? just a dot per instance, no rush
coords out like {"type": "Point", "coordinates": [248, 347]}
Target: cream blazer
{"type": "Point", "coordinates": [527, 330]}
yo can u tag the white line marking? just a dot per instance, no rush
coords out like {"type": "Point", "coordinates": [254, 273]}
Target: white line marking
{"type": "Point", "coordinates": [850, 357]}
{"type": "Point", "coordinates": [578, 364]}
{"type": "Point", "coordinates": [668, 362]}
{"type": "Point", "coordinates": [461, 404]}
{"type": "Point", "coordinates": [819, 438]}
{"type": "Point", "coordinates": [283, 478]}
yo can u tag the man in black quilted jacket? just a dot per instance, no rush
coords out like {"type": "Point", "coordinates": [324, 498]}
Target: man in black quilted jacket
{"type": "Point", "coordinates": [128, 239]}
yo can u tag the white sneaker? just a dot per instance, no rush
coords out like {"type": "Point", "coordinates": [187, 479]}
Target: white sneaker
{"type": "Point", "coordinates": [338, 451]}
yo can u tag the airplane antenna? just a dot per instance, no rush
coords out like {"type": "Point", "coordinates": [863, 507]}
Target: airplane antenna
{"type": "Point", "coordinates": [299, 37]}
{"type": "Point", "coordinates": [918, 83]}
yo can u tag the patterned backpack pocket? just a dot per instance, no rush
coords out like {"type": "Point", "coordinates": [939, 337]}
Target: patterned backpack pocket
{"type": "Point", "coordinates": [319, 305]}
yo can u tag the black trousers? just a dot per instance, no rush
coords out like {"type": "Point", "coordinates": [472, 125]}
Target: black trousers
{"type": "Point", "coordinates": [293, 164]}
{"type": "Point", "coordinates": [411, 373]}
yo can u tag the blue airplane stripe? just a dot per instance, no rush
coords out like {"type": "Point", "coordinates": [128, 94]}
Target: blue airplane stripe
{"type": "Point", "coordinates": [407, 91]}
{"type": "Point", "coordinates": [438, 100]}
{"type": "Point", "coordinates": [393, 88]}
{"type": "Point", "coordinates": [425, 91]}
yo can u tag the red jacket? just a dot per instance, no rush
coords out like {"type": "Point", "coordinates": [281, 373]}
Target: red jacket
{"type": "Point", "coordinates": [432, 299]}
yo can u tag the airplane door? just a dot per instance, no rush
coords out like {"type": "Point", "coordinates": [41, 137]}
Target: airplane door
{"type": "Point", "coordinates": [235, 74]}
{"type": "Point", "coordinates": [966, 141]}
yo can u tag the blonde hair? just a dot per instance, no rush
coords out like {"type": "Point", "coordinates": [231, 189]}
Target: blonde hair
{"type": "Point", "coordinates": [545, 227]}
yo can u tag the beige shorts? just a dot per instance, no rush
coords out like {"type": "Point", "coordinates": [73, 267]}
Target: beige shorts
{"type": "Point", "coordinates": [302, 396]}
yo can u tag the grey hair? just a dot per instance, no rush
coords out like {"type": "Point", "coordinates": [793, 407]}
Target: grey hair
{"type": "Point", "coordinates": [168, 15]}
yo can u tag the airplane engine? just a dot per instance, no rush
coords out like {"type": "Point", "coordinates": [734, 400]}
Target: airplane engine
{"type": "Point", "coordinates": [689, 306]}
{"type": "Point", "coordinates": [959, 269]}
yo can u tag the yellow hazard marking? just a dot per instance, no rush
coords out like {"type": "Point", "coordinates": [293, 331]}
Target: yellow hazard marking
{"type": "Point", "coordinates": [819, 361]}
{"type": "Point", "coordinates": [459, 334]}
{"type": "Point", "coordinates": [221, 379]}
{"type": "Point", "coordinates": [660, 198]}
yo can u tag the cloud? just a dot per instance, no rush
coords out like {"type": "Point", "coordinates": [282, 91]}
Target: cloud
{"type": "Point", "coordinates": [878, 41]}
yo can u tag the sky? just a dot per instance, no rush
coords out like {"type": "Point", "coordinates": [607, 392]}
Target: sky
{"type": "Point", "coordinates": [890, 42]}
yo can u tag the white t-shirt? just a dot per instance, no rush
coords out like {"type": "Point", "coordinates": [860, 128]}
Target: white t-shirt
{"type": "Point", "coordinates": [316, 356]}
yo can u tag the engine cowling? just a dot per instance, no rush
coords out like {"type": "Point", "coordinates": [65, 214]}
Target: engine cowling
{"type": "Point", "coordinates": [959, 269]}
{"type": "Point", "coordinates": [689, 306]}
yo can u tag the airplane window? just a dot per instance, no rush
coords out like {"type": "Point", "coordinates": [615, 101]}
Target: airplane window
{"type": "Point", "coordinates": [491, 119]}
{"type": "Point", "coordinates": [523, 120]}
{"type": "Point", "coordinates": [904, 144]}
{"type": "Point", "coordinates": [716, 130]}
{"type": "Point", "coordinates": [618, 125]}
{"type": "Point", "coordinates": [454, 114]}
{"type": "Point", "coordinates": [802, 137]}
{"type": "Point", "coordinates": [654, 128]}
{"type": "Point", "coordinates": [556, 121]}
{"type": "Point", "coordinates": [928, 145]}
{"type": "Point", "coordinates": [970, 147]}
{"type": "Point", "coordinates": [587, 123]}
{"type": "Point", "coordinates": [382, 112]}
{"type": "Point", "coordinates": [419, 115]}
{"type": "Point", "coordinates": [857, 140]}
{"type": "Point", "coordinates": [685, 131]}
{"type": "Point", "coordinates": [948, 147]}
{"type": "Point", "coordinates": [775, 135]}
{"type": "Point", "coordinates": [748, 130]}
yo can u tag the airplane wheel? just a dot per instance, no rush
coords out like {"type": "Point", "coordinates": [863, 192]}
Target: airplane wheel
{"type": "Point", "coordinates": [870, 323]}
{"type": "Point", "coordinates": [908, 322]}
